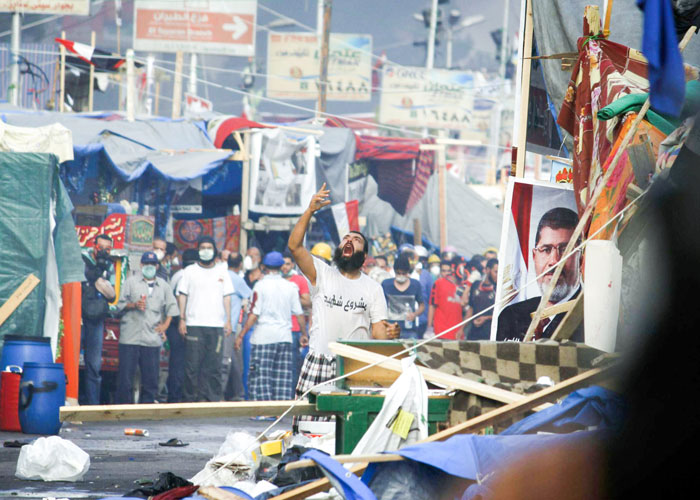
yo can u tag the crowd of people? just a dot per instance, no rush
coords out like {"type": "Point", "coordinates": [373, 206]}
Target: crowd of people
{"type": "Point", "coordinates": [258, 326]}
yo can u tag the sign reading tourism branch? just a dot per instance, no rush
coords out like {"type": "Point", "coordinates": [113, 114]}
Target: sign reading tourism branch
{"type": "Point", "coordinates": [293, 66]}
{"type": "Point", "coordinates": [67, 7]}
{"type": "Point", "coordinates": [417, 97]}
{"type": "Point", "coordinates": [207, 27]}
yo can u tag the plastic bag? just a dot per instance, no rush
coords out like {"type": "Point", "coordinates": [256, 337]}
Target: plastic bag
{"type": "Point", "coordinates": [239, 448]}
{"type": "Point", "coordinates": [403, 418]}
{"type": "Point", "coordinates": [52, 459]}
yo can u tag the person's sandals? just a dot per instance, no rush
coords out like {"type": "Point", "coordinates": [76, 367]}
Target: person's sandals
{"type": "Point", "coordinates": [174, 442]}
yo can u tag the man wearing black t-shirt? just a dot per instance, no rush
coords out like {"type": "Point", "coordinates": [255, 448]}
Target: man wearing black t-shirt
{"type": "Point", "coordinates": [481, 296]}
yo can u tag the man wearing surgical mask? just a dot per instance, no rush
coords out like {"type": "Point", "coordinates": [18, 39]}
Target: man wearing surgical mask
{"type": "Point", "coordinates": [147, 305]}
{"type": "Point", "coordinates": [404, 299]}
{"type": "Point", "coordinates": [204, 297]}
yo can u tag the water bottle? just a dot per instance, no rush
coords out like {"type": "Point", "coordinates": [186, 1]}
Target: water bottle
{"type": "Point", "coordinates": [407, 324]}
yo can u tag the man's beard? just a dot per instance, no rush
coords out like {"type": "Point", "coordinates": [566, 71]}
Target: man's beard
{"type": "Point", "coordinates": [562, 289]}
{"type": "Point", "coordinates": [352, 263]}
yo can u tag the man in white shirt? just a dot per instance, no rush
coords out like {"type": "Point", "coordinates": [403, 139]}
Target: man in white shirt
{"type": "Point", "coordinates": [274, 302]}
{"type": "Point", "coordinates": [346, 304]}
{"type": "Point", "coordinates": [204, 297]}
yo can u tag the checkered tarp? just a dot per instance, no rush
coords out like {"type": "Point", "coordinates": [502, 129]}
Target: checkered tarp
{"type": "Point", "coordinates": [513, 366]}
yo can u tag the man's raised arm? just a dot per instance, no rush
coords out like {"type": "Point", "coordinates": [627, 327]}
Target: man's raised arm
{"type": "Point", "coordinates": [301, 255]}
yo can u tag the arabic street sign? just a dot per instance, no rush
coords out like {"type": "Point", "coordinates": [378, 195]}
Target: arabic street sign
{"type": "Point", "coordinates": [67, 7]}
{"type": "Point", "coordinates": [207, 27]}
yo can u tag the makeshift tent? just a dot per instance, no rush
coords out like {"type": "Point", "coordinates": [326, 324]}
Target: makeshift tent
{"type": "Point", "coordinates": [37, 236]}
{"type": "Point", "coordinates": [473, 224]}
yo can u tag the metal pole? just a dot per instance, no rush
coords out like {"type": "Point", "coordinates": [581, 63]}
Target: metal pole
{"type": "Point", "coordinates": [130, 85]}
{"type": "Point", "coordinates": [91, 85]}
{"type": "Point", "coordinates": [504, 40]}
{"type": "Point", "coordinates": [150, 78]}
{"type": "Point", "coordinates": [192, 84]}
{"type": "Point", "coordinates": [448, 48]}
{"type": "Point", "coordinates": [15, 48]}
{"type": "Point", "coordinates": [62, 94]}
{"type": "Point", "coordinates": [429, 60]}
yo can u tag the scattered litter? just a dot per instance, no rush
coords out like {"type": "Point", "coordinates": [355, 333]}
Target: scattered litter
{"type": "Point", "coordinates": [136, 432]}
{"type": "Point", "coordinates": [52, 459]}
{"type": "Point", "coordinates": [166, 481]}
{"type": "Point", "coordinates": [175, 442]}
{"type": "Point", "coordinates": [325, 442]}
{"type": "Point", "coordinates": [15, 444]}
{"type": "Point", "coordinates": [239, 448]}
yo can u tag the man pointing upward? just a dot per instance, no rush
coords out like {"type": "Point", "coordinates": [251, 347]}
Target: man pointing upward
{"type": "Point", "coordinates": [346, 304]}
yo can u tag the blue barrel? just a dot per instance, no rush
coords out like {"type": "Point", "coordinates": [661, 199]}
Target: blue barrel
{"type": "Point", "coordinates": [18, 349]}
{"type": "Point", "coordinates": [42, 392]}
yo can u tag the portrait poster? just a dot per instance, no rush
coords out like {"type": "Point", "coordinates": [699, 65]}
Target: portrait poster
{"type": "Point", "coordinates": [526, 203]}
{"type": "Point", "coordinates": [282, 172]}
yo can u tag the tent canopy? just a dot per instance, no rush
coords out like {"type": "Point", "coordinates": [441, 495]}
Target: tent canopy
{"type": "Point", "coordinates": [175, 149]}
{"type": "Point", "coordinates": [473, 224]}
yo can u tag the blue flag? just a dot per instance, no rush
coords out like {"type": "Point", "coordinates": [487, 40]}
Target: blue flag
{"type": "Point", "coordinates": [660, 47]}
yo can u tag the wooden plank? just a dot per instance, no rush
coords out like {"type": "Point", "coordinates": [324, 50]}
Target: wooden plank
{"type": "Point", "coordinates": [18, 296]}
{"type": "Point", "coordinates": [557, 308]}
{"type": "Point", "coordinates": [156, 411]}
{"type": "Point", "coordinates": [478, 423]}
{"type": "Point", "coordinates": [438, 377]}
{"type": "Point", "coordinates": [570, 323]}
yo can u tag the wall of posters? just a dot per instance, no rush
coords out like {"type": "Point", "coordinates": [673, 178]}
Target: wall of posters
{"type": "Point", "coordinates": [282, 173]}
{"type": "Point", "coordinates": [538, 220]}
{"type": "Point", "coordinates": [293, 66]}
{"type": "Point", "coordinates": [224, 27]}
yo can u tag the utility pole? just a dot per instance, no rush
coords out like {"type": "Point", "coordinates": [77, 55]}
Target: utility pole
{"type": "Point", "coordinates": [430, 59]}
{"type": "Point", "coordinates": [177, 85]}
{"type": "Point", "coordinates": [504, 40]}
{"type": "Point", "coordinates": [192, 84]}
{"type": "Point", "coordinates": [323, 73]}
{"type": "Point", "coordinates": [130, 85]}
{"type": "Point", "coordinates": [14, 50]}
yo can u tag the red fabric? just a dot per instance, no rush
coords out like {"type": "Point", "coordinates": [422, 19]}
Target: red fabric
{"type": "Point", "coordinates": [424, 169]}
{"type": "Point", "coordinates": [232, 124]}
{"type": "Point", "coordinates": [225, 231]}
{"type": "Point", "coordinates": [521, 207]}
{"type": "Point", "coordinates": [176, 493]}
{"type": "Point", "coordinates": [352, 208]}
{"type": "Point", "coordinates": [301, 282]}
{"type": "Point", "coordinates": [448, 308]}
{"type": "Point", "coordinates": [604, 71]}
{"type": "Point", "coordinates": [386, 148]}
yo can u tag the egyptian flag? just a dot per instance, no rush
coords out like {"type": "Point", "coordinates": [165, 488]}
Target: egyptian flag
{"type": "Point", "coordinates": [86, 56]}
{"type": "Point", "coordinates": [338, 220]}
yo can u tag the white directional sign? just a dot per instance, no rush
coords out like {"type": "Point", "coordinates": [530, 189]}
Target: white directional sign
{"type": "Point", "coordinates": [224, 27]}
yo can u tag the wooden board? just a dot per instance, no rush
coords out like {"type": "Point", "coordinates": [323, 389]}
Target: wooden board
{"type": "Point", "coordinates": [377, 375]}
{"type": "Point", "coordinates": [556, 309]}
{"type": "Point", "coordinates": [165, 411]}
{"type": "Point", "coordinates": [435, 376]}
{"type": "Point", "coordinates": [18, 296]}
{"type": "Point", "coordinates": [478, 423]}
{"type": "Point", "coordinates": [570, 323]}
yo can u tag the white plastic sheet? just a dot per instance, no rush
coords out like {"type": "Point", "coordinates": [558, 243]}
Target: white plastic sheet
{"type": "Point", "coordinates": [408, 395]}
{"type": "Point", "coordinates": [52, 459]}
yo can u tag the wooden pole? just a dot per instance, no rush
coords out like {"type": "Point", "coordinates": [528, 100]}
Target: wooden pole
{"type": "Point", "coordinates": [417, 232]}
{"type": "Point", "coordinates": [62, 50]}
{"type": "Point", "coordinates": [583, 221]}
{"type": "Point", "coordinates": [442, 194]}
{"type": "Point", "coordinates": [91, 87]}
{"type": "Point", "coordinates": [608, 13]}
{"type": "Point", "coordinates": [524, 93]}
{"type": "Point", "coordinates": [323, 73]}
{"type": "Point", "coordinates": [245, 193]}
{"type": "Point", "coordinates": [177, 85]}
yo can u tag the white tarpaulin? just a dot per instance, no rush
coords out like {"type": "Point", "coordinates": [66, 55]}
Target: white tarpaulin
{"type": "Point", "coordinates": [283, 173]}
{"type": "Point", "coordinates": [293, 66]}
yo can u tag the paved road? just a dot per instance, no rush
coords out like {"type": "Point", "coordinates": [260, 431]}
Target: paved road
{"type": "Point", "coordinates": [116, 460]}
